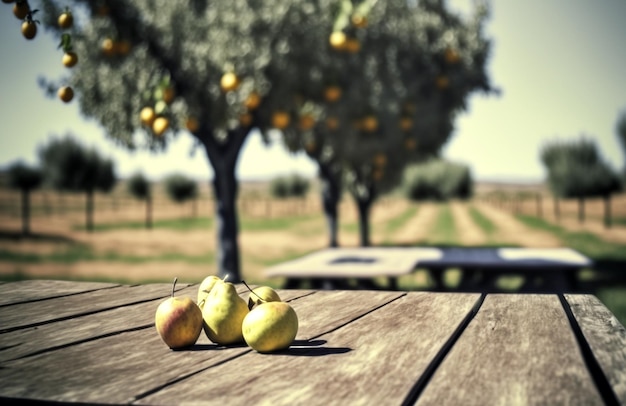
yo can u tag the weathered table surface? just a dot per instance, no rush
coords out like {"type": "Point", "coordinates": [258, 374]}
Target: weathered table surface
{"type": "Point", "coordinates": [556, 267]}
{"type": "Point", "coordinates": [96, 343]}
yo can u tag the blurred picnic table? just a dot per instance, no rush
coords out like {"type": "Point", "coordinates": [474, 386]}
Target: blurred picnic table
{"type": "Point", "coordinates": [90, 342]}
{"type": "Point", "coordinates": [543, 269]}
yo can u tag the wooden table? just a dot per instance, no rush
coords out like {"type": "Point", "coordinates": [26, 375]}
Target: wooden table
{"type": "Point", "coordinates": [544, 269]}
{"type": "Point", "coordinates": [96, 343]}
{"type": "Point", "coordinates": [329, 268]}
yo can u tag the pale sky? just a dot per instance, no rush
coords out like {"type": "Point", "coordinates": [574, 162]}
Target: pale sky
{"type": "Point", "coordinates": [561, 65]}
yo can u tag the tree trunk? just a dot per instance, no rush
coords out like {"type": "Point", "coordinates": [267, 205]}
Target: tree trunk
{"type": "Point", "coordinates": [89, 210]}
{"type": "Point", "coordinates": [581, 210]}
{"type": "Point", "coordinates": [331, 194]}
{"type": "Point", "coordinates": [539, 206]}
{"type": "Point", "coordinates": [557, 209]}
{"type": "Point", "coordinates": [223, 159]}
{"type": "Point", "coordinates": [25, 212]}
{"type": "Point", "coordinates": [149, 212]}
{"type": "Point", "coordinates": [364, 204]}
{"type": "Point", "coordinates": [607, 211]}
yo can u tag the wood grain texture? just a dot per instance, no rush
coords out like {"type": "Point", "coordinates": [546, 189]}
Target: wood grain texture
{"type": "Point", "coordinates": [120, 367]}
{"type": "Point", "coordinates": [519, 349]}
{"type": "Point", "coordinates": [30, 290]}
{"type": "Point", "coordinates": [373, 359]}
{"type": "Point", "coordinates": [50, 336]}
{"type": "Point", "coordinates": [46, 337]}
{"type": "Point", "coordinates": [44, 311]}
{"type": "Point", "coordinates": [606, 336]}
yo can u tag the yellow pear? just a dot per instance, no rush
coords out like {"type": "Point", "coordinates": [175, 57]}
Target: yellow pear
{"type": "Point", "coordinates": [178, 321]}
{"type": "Point", "coordinates": [262, 294]}
{"type": "Point", "coordinates": [205, 288]}
{"type": "Point", "coordinates": [223, 314]}
{"type": "Point", "coordinates": [270, 326]}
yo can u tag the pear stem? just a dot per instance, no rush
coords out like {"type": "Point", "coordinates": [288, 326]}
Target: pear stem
{"type": "Point", "coordinates": [174, 285]}
{"type": "Point", "coordinates": [251, 291]}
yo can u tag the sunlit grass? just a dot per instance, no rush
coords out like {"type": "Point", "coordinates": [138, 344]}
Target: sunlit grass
{"type": "Point", "coordinates": [80, 253]}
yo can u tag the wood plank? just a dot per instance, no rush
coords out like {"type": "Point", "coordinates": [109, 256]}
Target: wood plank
{"type": "Point", "coordinates": [519, 349]}
{"type": "Point", "coordinates": [606, 337]}
{"type": "Point", "coordinates": [44, 311]}
{"type": "Point", "coordinates": [46, 337]}
{"type": "Point", "coordinates": [375, 359]}
{"type": "Point", "coordinates": [117, 368]}
{"type": "Point", "coordinates": [31, 290]}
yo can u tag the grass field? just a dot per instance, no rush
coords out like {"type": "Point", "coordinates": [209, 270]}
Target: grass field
{"type": "Point", "coordinates": [180, 244]}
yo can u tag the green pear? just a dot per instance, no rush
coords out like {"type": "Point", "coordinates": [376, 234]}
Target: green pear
{"type": "Point", "coordinates": [262, 294]}
{"type": "Point", "coordinates": [204, 289]}
{"type": "Point", "coordinates": [223, 313]}
{"type": "Point", "coordinates": [178, 321]}
{"type": "Point", "coordinates": [270, 326]}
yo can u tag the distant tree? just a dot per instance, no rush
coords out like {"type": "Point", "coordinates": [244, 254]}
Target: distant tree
{"type": "Point", "coordinates": [621, 135]}
{"type": "Point", "coordinates": [68, 165]}
{"type": "Point", "coordinates": [26, 179]}
{"type": "Point", "coordinates": [289, 186]}
{"type": "Point", "coordinates": [438, 180]}
{"type": "Point", "coordinates": [576, 170]}
{"type": "Point", "coordinates": [180, 188]}
{"type": "Point", "coordinates": [139, 187]}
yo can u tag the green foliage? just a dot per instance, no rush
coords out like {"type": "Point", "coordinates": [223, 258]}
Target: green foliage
{"type": "Point", "coordinates": [180, 188]}
{"type": "Point", "coordinates": [437, 179]}
{"type": "Point", "coordinates": [139, 186]}
{"type": "Point", "coordinates": [576, 169]}
{"type": "Point", "coordinates": [68, 165]}
{"type": "Point", "coordinates": [24, 177]}
{"type": "Point", "coordinates": [289, 186]}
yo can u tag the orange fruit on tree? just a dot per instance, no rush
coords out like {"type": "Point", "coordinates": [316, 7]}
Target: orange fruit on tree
{"type": "Point", "coordinates": [410, 143]}
{"type": "Point", "coordinates": [332, 93]}
{"type": "Point", "coordinates": [353, 45]}
{"type": "Point", "coordinates": [451, 56]}
{"type": "Point", "coordinates": [380, 160]}
{"type": "Point", "coordinates": [70, 59]}
{"type": "Point", "coordinates": [168, 94]}
{"type": "Point", "coordinates": [160, 125]}
{"type": "Point", "coordinates": [66, 94]}
{"type": "Point", "coordinates": [306, 122]}
{"type": "Point", "coordinates": [66, 20]}
{"type": "Point", "coordinates": [108, 47]}
{"type": "Point", "coordinates": [359, 21]}
{"type": "Point", "coordinates": [147, 116]}
{"type": "Point", "coordinates": [332, 123]}
{"type": "Point", "coordinates": [21, 9]}
{"type": "Point", "coordinates": [252, 101]}
{"type": "Point", "coordinates": [245, 119]}
{"type": "Point", "coordinates": [29, 29]}
{"type": "Point", "coordinates": [442, 82]}
{"type": "Point", "coordinates": [229, 82]}
{"type": "Point", "coordinates": [338, 40]}
{"type": "Point", "coordinates": [369, 124]}
{"type": "Point", "coordinates": [406, 123]}
{"type": "Point", "coordinates": [280, 120]}
{"type": "Point", "coordinates": [121, 47]}
{"type": "Point", "coordinates": [310, 146]}
{"type": "Point", "coordinates": [192, 124]}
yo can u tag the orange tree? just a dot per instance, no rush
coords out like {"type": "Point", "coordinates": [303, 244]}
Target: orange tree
{"type": "Point", "coordinates": [392, 78]}
{"type": "Point", "coordinates": [149, 71]}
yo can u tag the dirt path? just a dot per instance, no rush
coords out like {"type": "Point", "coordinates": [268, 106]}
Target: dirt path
{"type": "Point", "coordinates": [468, 232]}
{"type": "Point", "coordinates": [418, 227]}
{"type": "Point", "coordinates": [512, 231]}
